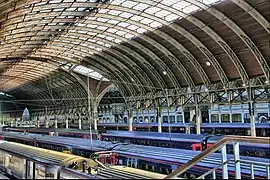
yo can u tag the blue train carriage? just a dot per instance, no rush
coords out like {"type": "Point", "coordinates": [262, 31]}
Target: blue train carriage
{"type": "Point", "coordinates": [237, 119]}
{"type": "Point", "coordinates": [147, 120]}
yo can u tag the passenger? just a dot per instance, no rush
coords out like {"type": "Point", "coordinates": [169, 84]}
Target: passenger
{"type": "Point", "coordinates": [72, 165]}
{"type": "Point", "coordinates": [89, 170]}
{"type": "Point", "coordinates": [84, 166]}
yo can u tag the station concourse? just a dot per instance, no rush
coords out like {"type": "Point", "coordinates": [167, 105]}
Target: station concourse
{"type": "Point", "coordinates": [134, 89]}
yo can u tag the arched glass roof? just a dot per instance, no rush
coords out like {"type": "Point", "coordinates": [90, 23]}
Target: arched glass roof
{"type": "Point", "coordinates": [141, 45]}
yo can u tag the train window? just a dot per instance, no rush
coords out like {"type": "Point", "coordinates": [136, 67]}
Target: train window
{"type": "Point", "coordinates": [164, 170]}
{"type": "Point", "coordinates": [125, 119]}
{"type": "Point", "coordinates": [247, 118]}
{"type": "Point", "coordinates": [144, 166]}
{"type": "Point", "coordinates": [140, 119]}
{"type": "Point", "coordinates": [152, 118]}
{"type": "Point", "coordinates": [225, 118]}
{"type": "Point", "coordinates": [135, 119]}
{"type": "Point", "coordinates": [151, 168]}
{"type": "Point", "coordinates": [172, 119]}
{"type": "Point", "coordinates": [214, 118]}
{"type": "Point", "coordinates": [146, 119]}
{"type": "Point", "coordinates": [236, 118]}
{"type": "Point", "coordinates": [165, 119]}
{"type": "Point", "coordinates": [179, 119]}
{"type": "Point", "coordinates": [262, 117]}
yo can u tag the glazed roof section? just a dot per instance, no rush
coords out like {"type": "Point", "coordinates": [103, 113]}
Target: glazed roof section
{"type": "Point", "coordinates": [140, 45]}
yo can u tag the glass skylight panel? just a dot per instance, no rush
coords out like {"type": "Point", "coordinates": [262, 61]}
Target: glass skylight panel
{"type": "Point", "coordinates": [101, 36]}
{"type": "Point", "coordinates": [108, 45]}
{"type": "Point", "coordinates": [70, 9]}
{"type": "Point", "coordinates": [141, 7]}
{"type": "Point", "coordinates": [162, 13]}
{"type": "Point", "coordinates": [155, 24]}
{"type": "Point", "coordinates": [117, 2]}
{"type": "Point", "coordinates": [111, 30]}
{"type": "Point", "coordinates": [103, 28]}
{"type": "Point", "coordinates": [98, 49]}
{"type": "Point", "coordinates": [100, 43]}
{"type": "Point", "coordinates": [181, 5]}
{"type": "Point", "coordinates": [95, 75]}
{"type": "Point", "coordinates": [171, 17]}
{"type": "Point", "coordinates": [126, 15]}
{"type": "Point", "coordinates": [91, 40]}
{"type": "Point", "coordinates": [75, 37]}
{"type": "Point", "coordinates": [146, 21]}
{"type": "Point", "coordinates": [81, 25]}
{"type": "Point", "coordinates": [118, 41]}
{"type": "Point", "coordinates": [110, 38]}
{"type": "Point", "coordinates": [123, 24]}
{"type": "Point", "coordinates": [92, 18]}
{"type": "Point", "coordinates": [91, 47]}
{"type": "Point", "coordinates": [120, 33]}
{"type": "Point", "coordinates": [169, 2]}
{"type": "Point", "coordinates": [82, 32]}
{"type": "Point", "coordinates": [129, 36]}
{"type": "Point", "coordinates": [92, 33]}
{"type": "Point", "coordinates": [114, 12]}
{"type": "Point", "coordinates": [112, 21]}
{"type": "Point", "coordinates": [102, 19]}
{"type": "Point", "coordinates": [129, 4]}
{"type": "Point", "coordinates": [103, 11]}
{"type": "Point", "coordinates": [91, 26]}
{"type": "Point", "coordinates": [190, 9]}
{"type": "Point", "coordinates": [133, 27]}
{"type": "Point", "coordinates": [83, 38]}
{"type": "Point", "coordinates": [83, 44]}
{"type": "Point", "coordinates": [141, 30]}
{"type": "Point", "coordinates": [152, 10]}
{"type": "Point", "coordinates": [136, 18]}
{"type": "Point", "coordinates": [210, 1]}
{"type": "Point", "coordinates": [82, 70]}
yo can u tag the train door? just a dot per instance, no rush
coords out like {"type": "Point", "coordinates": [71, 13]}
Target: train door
{"type": "Point", "coordinates": [43, 171]}
{"type": "Point", "coordinates": [186, 117]}
{"type": "Point", "coordinates": [30, 170]}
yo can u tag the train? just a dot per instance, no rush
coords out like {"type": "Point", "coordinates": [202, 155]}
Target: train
{"type": "Point", "coordinates": [21, 161]}
{"type": "Point", "coordinates": [25, 162]}
{"type": "Point", "coordinates": [154, 159]}
{"type": "Point", "coordinates": [170, 140]}
{"type": "Point", "coordinates": [178, 120]}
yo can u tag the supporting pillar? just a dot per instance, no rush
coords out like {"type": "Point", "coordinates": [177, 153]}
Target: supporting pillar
{"type": "Point", "coordinates": [224, 162]}
{"type": "Point", "coordinates": [80, 122]}
{"type": "Point", "coordinates": [198, 120]}
{"type": "Point", "coordinates": [237, 160]}
{"type": "Point", "coordinates": [66, 121]}
{"type": "Point", "coordinates": [252, 119]}
{"type": "Point", "coordinates": [95, 116]}
{"type": "Point", "coordinates": [130, 120]}
{"type": "Point", "coordinates": [159, 124]}
{"type": "Point", "coordinates": [230, 113]}
{"type": "Point", "coordinates": [55, 123]}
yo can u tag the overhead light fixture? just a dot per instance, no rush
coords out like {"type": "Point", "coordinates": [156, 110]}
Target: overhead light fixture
{"type": "Point", "coordinates": [244, 85]}
{"type": "Point", "coordinates": [206, 89]}
{"type": "Point", "coordinates": [208, 63]}
{"type": "Point", "coordinates": [132, 79]}
{"type": "Point", "coordinates": [164, 72]}
{"type": "Point", "coordinates": [266, 82]}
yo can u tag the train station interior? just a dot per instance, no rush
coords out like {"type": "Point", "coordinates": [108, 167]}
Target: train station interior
{"type": "Point", "coordinates": [134, 89]}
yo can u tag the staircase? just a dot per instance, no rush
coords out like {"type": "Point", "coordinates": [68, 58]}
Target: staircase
{"type": "Point", "coordinates": [223, 166]}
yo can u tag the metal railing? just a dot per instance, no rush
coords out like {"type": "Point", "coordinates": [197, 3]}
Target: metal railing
{"type": "Point", "coordinates": [221, 145]}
